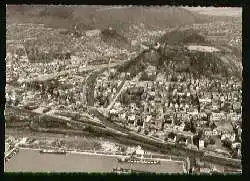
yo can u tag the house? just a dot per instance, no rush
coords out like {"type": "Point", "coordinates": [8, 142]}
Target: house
{"type": "Point", "coordinates": [182, 140]}
{"type": "Point", "coordinates": [232, 117]}
{"type": "Point", "coordinates": [149, 84]}
{"type": "Point", "coordinates": [113, 114]}
{"type": "Point", "coordinates": [218, 116]}
{"type": "Point", "coordinates": [159, 109]}
{"type": "Point", "coordinates": [215, 132]}
{"type": "Point", "coordinates": [151, 71]}
{"type": "Point", "coordinates": [139, 151]}
{"type": "Point", "coordinates": [201, 144]}
{"type": "Point", "coordinates": [153, 124]}
{"type": "Point", "coordinates": [146, 122]}
{"type": "Point", "coordinates": [237, 106]}
{"type": "Point", "coordinates": [231, 136]}
{"type": "Point", "coordinates": [114, 90]}
{"type": "Point", "coordinates": [239, 131]}
{"type": "Point", "coordinates": [117, 105]}
{"type": "Point", "coordinates": [151, 93]}
{"type": "Point", "coordinates": [181, 127]}
{"type": "Point", "coordinates": [208, 132]}
{"type": "Point", "coordinates": [224, 127]}
{"type": "Point", "coordinates": [207, 95]}
{"type": "Point", "coordinates": [131, 118]}
{"type": "Point", "coordinates": [133, 107]}
{"type": "Point", "coordinates": [236, 145]}
{"type": "Point", "coordinates": [239, 152]}
{"type": "Point", "coordinates": [159, 123]}
{"type": "Point", "coordinates": [92, 33]}
{"type": "Point", "coordinates": [122, 116]}
{"type": "Point", "coordinates": [145, 106]}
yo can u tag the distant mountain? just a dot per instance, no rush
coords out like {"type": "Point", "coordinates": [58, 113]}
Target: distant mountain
{"type": "Point", "coordinates": [102, 17]}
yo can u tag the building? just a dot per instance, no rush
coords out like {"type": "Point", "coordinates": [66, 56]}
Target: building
{"type": "Point", "coordinates": [201, 144]}
{"type": "Point", "coordinates": [92, 33]}
{"type": "Point", "coordinates": [139, 151]}
{"type": "Point", "coordinates": [151, 71]}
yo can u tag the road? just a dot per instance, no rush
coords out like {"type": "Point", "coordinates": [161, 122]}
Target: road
{"type": "Point", "coordinates": [168, 148]}
{"type": "Point", "coordinates": [106, 122]}
{"type": "Point", "coordinates": [130, 137]}
{"type": "Point", "coordinates": [146, 141]}
{"type": "Point", "coordinates": [90, 83]}
{"type": "Point", "coordinates": [123, 87]}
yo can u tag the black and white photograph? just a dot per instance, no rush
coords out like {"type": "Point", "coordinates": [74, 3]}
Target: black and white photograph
{"type": "Point", "coordinates": [123, 89]}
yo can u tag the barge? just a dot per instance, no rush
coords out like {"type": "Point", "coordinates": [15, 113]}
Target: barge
{"type": "Point", "coordinates": [53, 151]}
{"type": "Point", "coordinates": [119, 170]}
{"type": "Point", "coordinates": [137, 160]}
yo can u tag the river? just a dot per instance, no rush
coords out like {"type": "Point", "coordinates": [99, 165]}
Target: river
{"type": "Point", "coordinates": [28, 160]}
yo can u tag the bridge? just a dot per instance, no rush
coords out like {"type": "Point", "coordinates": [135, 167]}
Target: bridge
{"type": "Point", "coordinates": [9, 152]}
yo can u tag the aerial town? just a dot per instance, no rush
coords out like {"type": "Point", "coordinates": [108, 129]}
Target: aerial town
{"type": "Point", "coordinates": [84, 92]}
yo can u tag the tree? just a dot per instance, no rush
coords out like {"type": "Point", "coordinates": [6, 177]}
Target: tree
{"type": "Point", "coordinates": [166, 138]}
{"type": "Point", "coordinates": [187, 126]}
{"type": "Point", "coordinates": [227, 143]}
{"type": "Point", "coordinates": [206, 142]}
{"type": "Point", "coordinates": [125, 98]}
{"type": "Point", "coordinates": [196, 140]}
{"type": "Point", "coordinates": [10, 118]}
{"type": "Point", "coordinates": [171, 135]}
{"type": "Point", "coordinates": [212, 141]}
{"type": "Point", "coordinates": [182, 139]}
{"type": "Point", "coordinates": [200, 133]}
{"type": "Point", "coordinates": [234, 154]}
{"type": "Point", "coordinates": [123, 148]}
{"type": "Point", "coordinates": [193, 127]}
{"type": "Point", "coordinates": [139, 129]}
{"type": "Point", "coordinates": [212, 125]}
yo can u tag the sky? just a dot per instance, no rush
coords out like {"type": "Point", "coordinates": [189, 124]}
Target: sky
{"type": "Point", "coordinates": [221, 11]}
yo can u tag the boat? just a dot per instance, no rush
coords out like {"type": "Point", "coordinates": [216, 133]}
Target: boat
{"type": "Point", "coordinates": [53, 151]}
{"type": "Point", "coordinates": [140, 161]}
{"type": "Point", "coordinates": [121, 170]}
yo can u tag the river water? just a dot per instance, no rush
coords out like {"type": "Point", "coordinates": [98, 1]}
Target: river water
{"type": "Point", "coordinates": [34, 161]}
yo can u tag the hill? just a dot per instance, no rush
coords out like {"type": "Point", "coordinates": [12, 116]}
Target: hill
{"type": "Point", "coordinates": [182, 37]}
{"type": "Point", "coordinates": [174, 57]}
{"type": "Point", "coordinates": [98, 17]}
{"type": "Point", "coordinates": [113, 38]}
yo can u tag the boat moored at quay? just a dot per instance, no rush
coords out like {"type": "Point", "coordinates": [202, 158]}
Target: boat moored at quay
{"type": "Point", "coordinates": [139, 161]}
{"type": "Point", "coordinates": [53, 151]}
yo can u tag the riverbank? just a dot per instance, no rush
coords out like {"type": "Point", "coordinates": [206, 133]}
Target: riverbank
{"type": "Point", "coordinates": [30, 160]}
{"type": "Point", "coordinates": [101, 153]}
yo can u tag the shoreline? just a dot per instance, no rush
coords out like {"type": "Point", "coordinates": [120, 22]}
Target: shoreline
{"type": "Point", "coordinates": [100, 154]}
{"type": "Point", "coordinates": [31, 160]}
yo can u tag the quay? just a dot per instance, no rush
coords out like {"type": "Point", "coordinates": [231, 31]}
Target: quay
{"type": "Point", "coordinates": [81, 162]}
